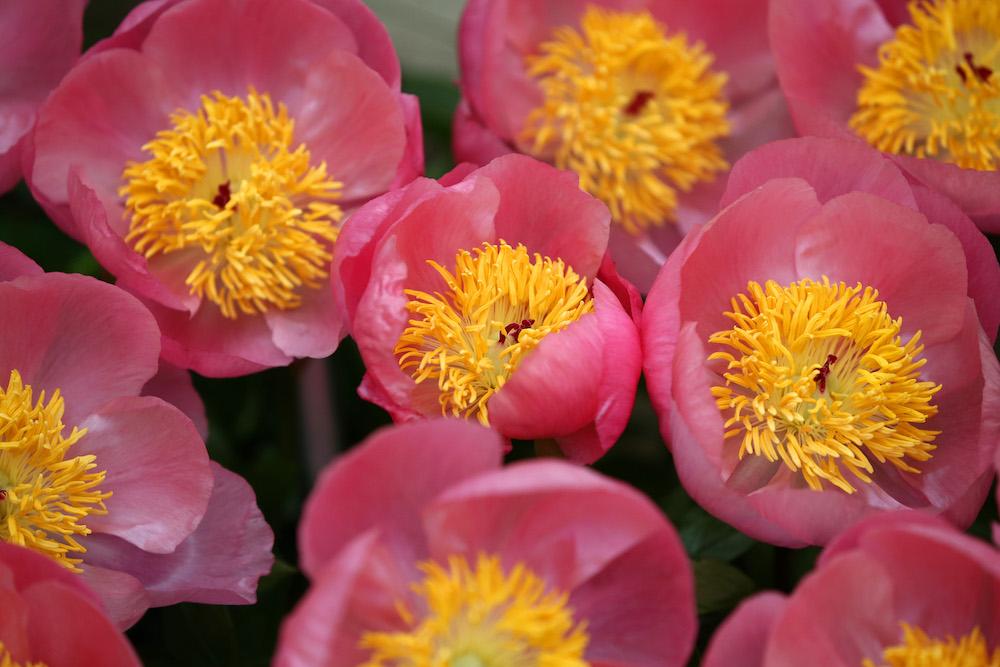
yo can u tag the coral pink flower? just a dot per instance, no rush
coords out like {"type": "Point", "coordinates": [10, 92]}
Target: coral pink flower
{"type": "Point", "coordinates": [816, 352]}
{"type": "Point", "coordinates": [913, 78]}
{"type": "Point", "coordinates": [648, 101]}
{"type": "Point", "coordinates": [50, 618]}
{"type": "Point", "coordinates": [895, 589]}
{"type": "Point", "coordinates": [485, 297]}
{"type": "Point", "coordinates": [421, 551]}
{"type": "Point", "coordinates": [39, 41]}
{"type": "Point", "coordinates": [209, 169]}
{"type": "Point", "coordinates": [107, 483]}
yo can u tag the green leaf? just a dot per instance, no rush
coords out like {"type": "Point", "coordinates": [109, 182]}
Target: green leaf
{"type": "Point", "coordinates": [719, 586]}
{"type": "Point", "coordinates": [704, 536]}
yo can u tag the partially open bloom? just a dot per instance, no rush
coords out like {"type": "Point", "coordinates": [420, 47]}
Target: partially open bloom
{"type": "Point", "coordinates": [111, 485]}
{"type": "Point", "coordinates": [207, 154]}
{"type": "Point", "coordinates": [51, 619]}
{"type": "Point", "coordinates": [39, 41]}
{"type": "Point", "coordinates": [423, 551]}
{"type": "Point", "coordinates": [817, 351]}
{"type": "Point", "coordinates": [647, 101]}
{"type": "Point", "coordinates": [484, 297]}
{"type": "Point", "coordinates": [919, 79]}
{"type": "Point", "coordinates": [895, 590]}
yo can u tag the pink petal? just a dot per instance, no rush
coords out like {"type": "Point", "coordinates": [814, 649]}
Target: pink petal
{"type": "Point", "coordinates": [565, 522]}
{"type": "Point", "coordinates": [219, 563]}
{"type": "Point", "coordinates": [385, 483]}
{"type": "Point", "coordinates": [157, 470]}
{"type": "Point", "coordinates": [21, 568]}
{"type": "Point", "coordinates": [374, 44]}
{"type": "Point", "coordinates": [88, 339]}
{"type": "Point", "coordinates": [976, 192]}
{"type": "Point", "coordinates": [313, 329]}
{"type": "Point", "coordinates": [639, 258]}
{"type": "Point", "coordinates": [14, 263]}
{"type": "Point", "coordinates": [471, 141]}
{"type": "Point", "coordinates": [411, 165]}
{"type": "Point", "coordinates": [742, 638]}
{"type": "Point", "coordinates": [639, 608]}
{"type": "Point", "coordinates": [66, 630]}
{"type": "Point", "coordinates": [174, 386]}
{"type": "Point", "coordinates": [122, 595]}
{"type": "Point", "coordinates": [917, 268]}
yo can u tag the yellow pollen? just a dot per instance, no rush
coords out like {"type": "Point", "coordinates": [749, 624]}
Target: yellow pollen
{"type": "Point", "coordinates": [482, 617]}
{"type": "Point", "coordinates": [817, 376]}
{"type": "Point", "coordinates": [919, 650]}
{"type": "Point", "coordinates": [45, 496]}
{"type": "Point", "coordinates": [254, 222]}
{"type": "Point", "coordinates": [936, 90]}
{"type": "Point", "coordinates": [7, 660]}
{"type": "Point", "coordinates": [498, 305]}
{"type": "Point", "coordinates": [634, 112]}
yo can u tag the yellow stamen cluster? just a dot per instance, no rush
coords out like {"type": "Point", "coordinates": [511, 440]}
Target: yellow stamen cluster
{"type": "Point", "coordinates": [919, 650]}
{"type": "Point", "coordinates": [936, 90]}
{"type": "Point", "coordinates": [463, 338]}
{"type": "Point", "coordinates": [482, 617]}
{"type": "Point", "coordinates": [818, 376]}
{"type": "Point", "coordinates": [7, 660]}
{"type": "Point", "coordinates": [635, 113]}
{"type": "Point", "coordinates": [250, 216]}
{"type": "Point", "coordinates": [45, 495]}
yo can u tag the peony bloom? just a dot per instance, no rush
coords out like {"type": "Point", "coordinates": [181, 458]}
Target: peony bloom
{"type": "Point", "coordinates": [423, 551]}
{"type": "Point", "coordinates": [210, 169]}
{"type": "Point", "coordinates": [484, 297]}
{"type": "Point", "coordinates": [51, 619]}
{"type": "Point", "coordinates": [894, 590]}
{"type": "Point", "coordinates": [648, 101]}
{"type": "Point", "coordinates": [111, 485]}
{"type": "Point", "coordinates": [915, 79]}
{"type": "Point", "coordinates": [817, 351]}
{"type": "Point", "coordinates": [39, 41]}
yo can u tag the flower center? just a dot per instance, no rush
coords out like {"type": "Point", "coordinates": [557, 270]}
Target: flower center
{"type": "Point", "coordinates": [635, 112]}
{"type": "Point", "coordinates": [7, 660]}
{"type": "Point", "coordinates": [254, 221]}
{"type": "Point", "coordinates": [936, 90]}
{"type": "Point", "coordinates": [919, 650]}
{"type": "Point", "coordinates": [45, 496]}
{"type": "Point", "coordinates": [499, 304]}
{"type": "Point", "coordinates": [482, 617]}
{"type": "Point", "coordinates": [816, 375]}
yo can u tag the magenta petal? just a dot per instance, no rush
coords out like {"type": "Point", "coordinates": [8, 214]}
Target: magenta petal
{"type": "Point", "coordinates": [157, 470]}
{"type": "Point", "coordinates": [640, 608]}
{"type": "Point", "coordinates": [742, 638]}
{"type": "Point", "coordinates": [67, 630]}
{"type": "Point", "coordinates": [88, 339]}
{"type": "Point", "coordinates": [14, 263]}
{"type": "Point", "coordinates": [219, 563]}
{"type": "Point", "coordinates": [374, 486]}
{"type": "Point", "coordinates": [174, 386]}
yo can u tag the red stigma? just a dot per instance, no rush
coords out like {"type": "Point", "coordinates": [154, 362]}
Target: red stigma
{"type": "Point", "coordinates": [823, 371]}
{"type": "Point", "coordinates": [3, 495]}
{"type": "Point", "coordinates": [982, 72]}
{"type": "Point", "coordinates": [514, 329]}
{"type": "Point", "coordinates": [641, 98]}
{"type": "Point", "coordinates": [224, 195]}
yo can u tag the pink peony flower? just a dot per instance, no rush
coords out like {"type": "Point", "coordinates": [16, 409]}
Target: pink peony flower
{"type": "Point", "coordinates": [107, 483]}
{"type": "Point", "coordinates": [39, 41]}
{"type": "Point", "coordinates": [209, 169]}
{"type": "Point", "coordinates": [484, 297]}
{"type": "Point", "coordinates": [816, 352]}
{"type": "Point", "coordinates": [421, 550]}
{"type": "Point", "coordinates": [50, 618]}
{"type": "Point", "coordinates": [895, 589]}
{"type": "Point", "coordinates": [648, 101]}
{"type": "Point", "coordinates": [915, 79]}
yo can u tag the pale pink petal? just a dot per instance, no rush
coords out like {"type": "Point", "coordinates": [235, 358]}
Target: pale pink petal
{"type": "Point", "coordinates": [88, 339]}
{"type": "Point", "coordinates": [174, 386]}
{"type": "Point", "coordinates": [219, 563]}
{"type": "Point", "coordinates": [375, 486]}
{"type": "Point", "coordinates": [565, 522]}
{"type": "Point", "coordinates": [743, 636]}
{"type": "Point", "coordinates": [918, 268]}
{"type": "Point", "coordinates": [66, 630]}
{"type": "Point", "coordinates": [157, 470]}
{"type": "Point", "coordinates": [639, 608]}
